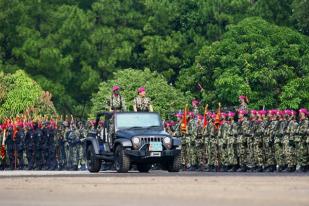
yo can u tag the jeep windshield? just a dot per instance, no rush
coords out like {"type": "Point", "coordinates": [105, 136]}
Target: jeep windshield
{"type": "Point", "coordinates": [137, 120]}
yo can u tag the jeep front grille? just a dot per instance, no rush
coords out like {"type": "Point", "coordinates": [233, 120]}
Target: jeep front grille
{"type": "Point", "coordinates": [147, 140]}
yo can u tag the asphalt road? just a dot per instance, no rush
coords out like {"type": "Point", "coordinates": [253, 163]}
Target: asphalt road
{"type": "Point", "coordinates": [154, 188]}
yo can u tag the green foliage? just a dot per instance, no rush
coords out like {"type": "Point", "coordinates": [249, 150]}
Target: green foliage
{"type": "Point", "coordinates": [165, 98]}
{"type": "Point", "coordinates": [69, 46]}
{"type": "Point", "coordinates": [20, 94]}
{"type": "Point", "coordinates": [254, 58]}
{"type": "Point", "coordinates": [301, 15]}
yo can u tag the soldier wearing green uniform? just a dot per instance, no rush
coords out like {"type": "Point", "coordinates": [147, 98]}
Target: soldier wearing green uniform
{"type": "Point", "coordinates": [270, 165]}
{"type": "Point", "coordinates": [250, 140]}
{"type": "Point", "coordinates": [141, 103]}
{"type": "Point", "coordinates": [223, 140]}
{"type": "Point", "coordinates": [243, 132]}
{"type": "Point", "coordinates": [212, 150]}
{"type": "Point", "coordinates": [301, 140]}
{"type": "Point", "coordinates": [81, 146]}
{"type": "Point", "coordinates": [289, 141]}
{"type": "Point", "coordinates": [279, 142]}
{"type": "Point", "coordinates": [232, 143]}
{"type": "Point", "coordinates": [261, 125]}
{"type": "Point", "coordinates": [116, 102]}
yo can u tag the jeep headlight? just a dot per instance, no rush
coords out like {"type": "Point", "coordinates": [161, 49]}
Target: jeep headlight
{"type": "Point", "coordinates": [136, 142]}
{"type": "Point", "coordinates": [167, 141]}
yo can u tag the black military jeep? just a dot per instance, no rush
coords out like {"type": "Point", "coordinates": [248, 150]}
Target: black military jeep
{"type": "Point", "coordinates": [132, 138]}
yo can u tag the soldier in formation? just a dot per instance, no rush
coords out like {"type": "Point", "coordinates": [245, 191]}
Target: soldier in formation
{"type": "Point", "coordinates": [260, 141]}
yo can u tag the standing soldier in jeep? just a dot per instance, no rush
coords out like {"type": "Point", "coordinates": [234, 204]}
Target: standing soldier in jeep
{"type": "Point", "coordinates": [116, 102]}
{"type": "Point", "coordinates": [141, 103]}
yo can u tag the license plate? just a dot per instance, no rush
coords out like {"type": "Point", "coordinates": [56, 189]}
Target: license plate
{"type": "Point", "coordinates": [155, 146]}
{"type": "Point", "coordinates": [155, 154]}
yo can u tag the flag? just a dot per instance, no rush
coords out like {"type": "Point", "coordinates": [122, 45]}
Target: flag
{"type": "Point", "coordinates": [205, 116]}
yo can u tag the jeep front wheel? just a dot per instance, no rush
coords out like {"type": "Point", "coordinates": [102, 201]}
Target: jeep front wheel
{"type": "Point", "coordinates": [93, 163]}
{"type": "Point", "coordinates": [122, 161]}
{"type": "Point", "coordinates": [174, 165]}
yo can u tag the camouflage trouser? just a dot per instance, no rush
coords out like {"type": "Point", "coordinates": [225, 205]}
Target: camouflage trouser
{"type": "Point", "coordinates": [258, 151]}
{"type": "Point", "coordinates": [71, 155]}
{"type": "Point", "coordinates": [193, 151]}
{"type": "Point", "coordinates": [223, 152]}
{"type": "Point", "coordinates": [205, 150]}
{"type": "Point", "coordinates": [242, 150]}
{"type": "Point", "coordinates": [251, 152]}
{"type": "Point", "coordinates": [212, 152]}
{"type": "Point", "coordinates": [269, 150]}
{"type": "Point", "coordinates": [61, 155]}
{"type": "Point", "coordinates": [289, 151]}
{"type": "Point", "coordinates": [81, 154]}
{"type": "Point", "coordinates": [307, 143]}
{"type": "Point", "coordinates": [185, 150]}
{"type": "Point", "coordinates": [302, 150]}
{"type": "Point", "coordinates": [231, 150]}
{"type": "Point", "coordinates": [199, 152]}
{"type": "Point", "coordinates": [279, 152]}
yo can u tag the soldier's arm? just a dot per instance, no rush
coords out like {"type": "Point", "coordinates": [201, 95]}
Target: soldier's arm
{"type": "Point", "coordinates": [124, 107]}
{"type": "Point", "coordinates": [134, 105]}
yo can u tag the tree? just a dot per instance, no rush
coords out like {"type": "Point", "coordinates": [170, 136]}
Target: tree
{"type": "Point", "coordinates": [254, 58]}
{"type": "Point", "coordinates": [301, 15]}
{"type": "Point", "coordinates": [20, 93]}
{"type": "Point", "coordinates": [165, 98]}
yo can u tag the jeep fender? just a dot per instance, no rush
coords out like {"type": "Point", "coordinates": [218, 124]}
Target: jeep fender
{"type": "Point", "coordinates": [94, 142]}
{"type": "Point", "coordinates": [123, 143]}
{"type": "Point", "coordinates": [176, 142]}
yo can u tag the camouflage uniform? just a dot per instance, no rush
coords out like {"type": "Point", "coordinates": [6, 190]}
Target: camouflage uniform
{"type": "Point", "coordinates": [301, 143]}
{"type": "Point", "coordinates": [223, 151]}
{"type": "Point", "coordinates": [243, 132]}
{"type": "Point", "coordinates": [212, 149]}
{"type": "Point", "coordinates": [142, 104]}
{"type": "Point", "coordinates": [269, 145]}
{"type": "Point", "coordinates": [250, 144]}
{"type": "Point", "coordinates": [258, 144]}
{"type": "Point", "coordinates": [289, 145]}
{"type": "Point", "coordinates": [117, 103]}
{"type": "Point", "coordinates": [72, 149]}
{"type": "Point", "coordinates": [81, 148]}
{"type": "Point", "coordinates": [60, 148]}
{"type": "Point", "coordinates": [192, 129]}
{"type": "Point", "coordinates": [232, 145]}
{"type": "Point", "coordinates": [279, 145]}
{"type": "Point", "coordinates": [200, 146]}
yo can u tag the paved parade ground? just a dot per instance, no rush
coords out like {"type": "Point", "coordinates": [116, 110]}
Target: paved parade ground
{"type": "Point", "coordinates": [154, 188]}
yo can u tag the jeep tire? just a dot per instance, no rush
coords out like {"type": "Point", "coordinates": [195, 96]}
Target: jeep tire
{"type": "Point", "coordinates": [93, 163]}
{"type": "Point", "coordinates": [122, 161]}
{"type": "Point", "coordinates": [175, 164]}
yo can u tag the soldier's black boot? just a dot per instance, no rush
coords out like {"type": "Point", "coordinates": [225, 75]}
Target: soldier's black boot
{"type": "Point", "coordinates": [210, 168]}
{"type": "Point", "coordinates": [74, 168]}
{"type": "Point", "coordinates": [291, 169]}
{"type": "Point", "coordinates": [301, 169]}
{"type": "Point", "coordinates": [259, 169]}
{"type": "Point", "coordinates": [280, 168]}
{"type": "Point", "coordinates": [224, 168]}
{"type": "Point", "coordinates": [83, 167]}
{"type": "Point", "coordinates": [242, 169]}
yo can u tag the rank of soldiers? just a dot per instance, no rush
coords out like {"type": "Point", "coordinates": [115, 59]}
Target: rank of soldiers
{"type": "Point", "coordinates": [259, 141]}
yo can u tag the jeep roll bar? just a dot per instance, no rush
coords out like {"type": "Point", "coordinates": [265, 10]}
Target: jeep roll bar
{"type": "Point", "coordinates": [107, 115]}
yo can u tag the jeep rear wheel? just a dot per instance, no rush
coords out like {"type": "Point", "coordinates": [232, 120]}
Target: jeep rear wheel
{"type": "Point", "coordinates": [175, 164]}
{"type": "Point", "coordinates": [122, 161]}
{"type": "Point", "coordinates": [93, 163]}
{"type": "Point", "coordinates": [144, 168]}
